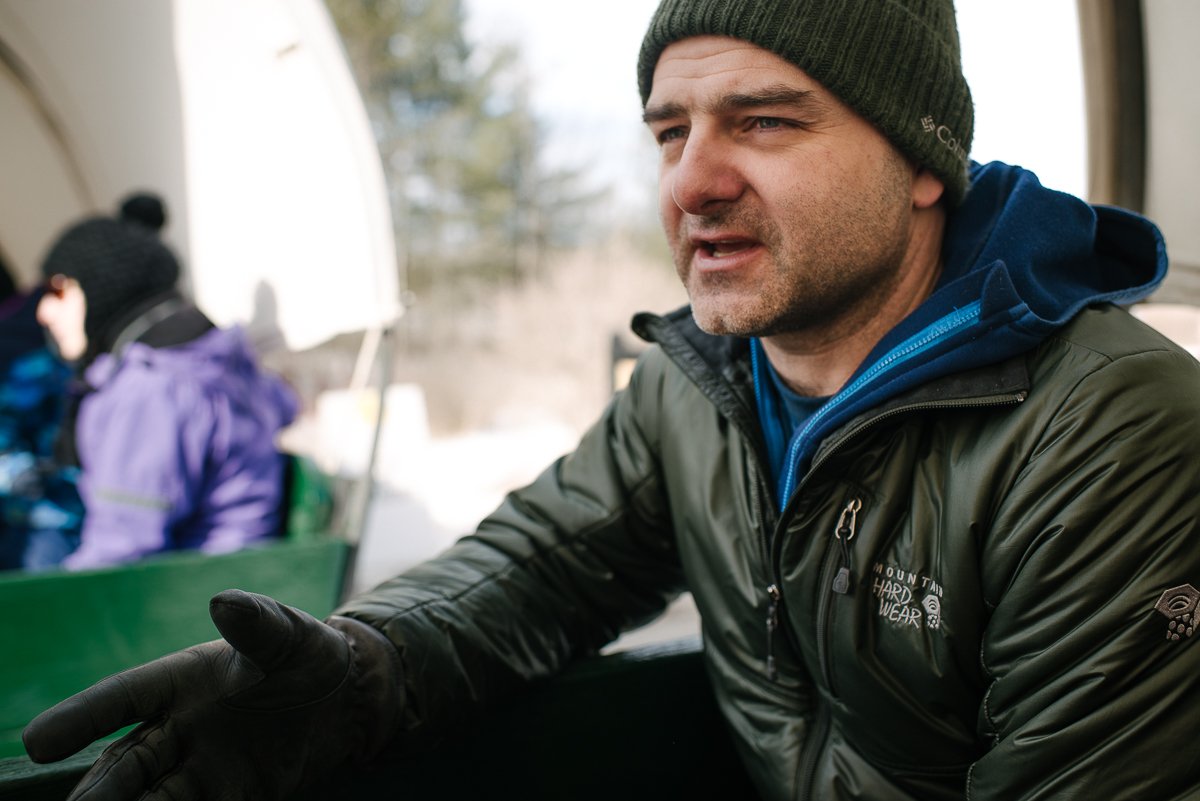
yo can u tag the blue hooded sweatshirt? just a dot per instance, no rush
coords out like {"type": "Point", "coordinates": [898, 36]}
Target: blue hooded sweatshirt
{"type": "Point", "coordinates": [1018, 262]}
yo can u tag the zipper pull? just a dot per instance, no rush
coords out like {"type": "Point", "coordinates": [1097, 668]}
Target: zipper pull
{"type": "Point", "coordinates": [772, 623]}
{"type": "Point", "coordinates": [844, 533]}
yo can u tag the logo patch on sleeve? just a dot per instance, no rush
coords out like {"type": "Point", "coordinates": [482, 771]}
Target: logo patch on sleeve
{"type": "Point", "coordinates": [1178, 605]}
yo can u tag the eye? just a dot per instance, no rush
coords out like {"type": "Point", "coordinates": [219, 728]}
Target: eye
{"type": "Point", "coordinates": [768, 123]}
{"type": "Point", "coordinates": [671, 134]}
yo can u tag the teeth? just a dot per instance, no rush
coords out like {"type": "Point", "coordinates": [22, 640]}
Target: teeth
{"type": "Point", "coordinates": [718, 250]}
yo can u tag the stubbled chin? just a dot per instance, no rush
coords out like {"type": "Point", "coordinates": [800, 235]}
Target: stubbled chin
{"type": "Point", "coordinates": [722, 302]}
{"type": "Point", "coordinates": [728, 306]}
{"type": "Point", "coordinates": [714, 319]}
{"type": "Point", "coordinates": [709, 325]}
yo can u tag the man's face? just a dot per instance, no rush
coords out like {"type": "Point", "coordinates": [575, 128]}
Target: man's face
{"type": "Point", "coordinates": [785, 211]}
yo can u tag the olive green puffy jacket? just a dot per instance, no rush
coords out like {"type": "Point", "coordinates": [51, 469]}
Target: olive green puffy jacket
{"type": "Point", "coordinates": [959, 601]}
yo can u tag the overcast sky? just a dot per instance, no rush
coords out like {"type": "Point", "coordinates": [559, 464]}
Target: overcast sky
{"type": "Point", "coordinates": [1021, 58]}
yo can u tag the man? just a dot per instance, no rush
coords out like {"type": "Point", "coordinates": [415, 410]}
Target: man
{"type": "Point", "coordinates": [933, 494]}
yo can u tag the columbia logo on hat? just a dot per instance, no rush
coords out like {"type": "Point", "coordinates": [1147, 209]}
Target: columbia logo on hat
{"type": "Point", "coordinates": [944, 135]}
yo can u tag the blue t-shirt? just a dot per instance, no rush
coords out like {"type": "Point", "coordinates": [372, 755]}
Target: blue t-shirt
{"type": "Point", "coordinates": [782, 412]}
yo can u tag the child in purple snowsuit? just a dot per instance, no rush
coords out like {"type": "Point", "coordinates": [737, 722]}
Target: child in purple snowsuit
{"type": "Point", "coordinates": [175, 423]}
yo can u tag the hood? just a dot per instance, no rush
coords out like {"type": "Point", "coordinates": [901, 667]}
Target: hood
{"type": "Point", "coordinates": [221, 357]}
{"type": "Point", "coordinates": [219, 350]}
{"type": "Point", "coordinates": [1019, 261]}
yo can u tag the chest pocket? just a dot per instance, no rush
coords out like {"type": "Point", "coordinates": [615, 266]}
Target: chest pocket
{"type": "Point", "coordinates": [875, 604]}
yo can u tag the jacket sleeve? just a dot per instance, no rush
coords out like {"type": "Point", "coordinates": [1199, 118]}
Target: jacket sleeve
{"type": "Point", "coordinates": [561, 568]}
{"type": "Point", "coordinates": [1092, 690]}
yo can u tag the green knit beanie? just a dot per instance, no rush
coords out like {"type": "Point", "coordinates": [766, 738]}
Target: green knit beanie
{"type": "Point", "coordinates": [895, 62]}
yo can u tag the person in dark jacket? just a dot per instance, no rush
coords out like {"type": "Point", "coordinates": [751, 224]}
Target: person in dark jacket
{"type": "Point", "coordinates": [40, 510]}
{"type": "Point", "coordinates": [174, 424]}
{"type": "Point", "coordinates": [933, 490]}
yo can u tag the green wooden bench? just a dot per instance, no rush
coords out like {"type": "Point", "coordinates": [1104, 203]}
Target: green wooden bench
{"type": "Point", "coordinates": [61, 632]}
{"type": "Point", "coordinates": [636, 725]}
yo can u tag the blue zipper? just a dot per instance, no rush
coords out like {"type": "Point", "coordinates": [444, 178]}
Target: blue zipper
{"type": "Point", "coordinates": [902, 354]}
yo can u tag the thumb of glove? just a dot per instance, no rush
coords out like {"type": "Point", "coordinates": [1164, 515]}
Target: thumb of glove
{"type": "Point", "coordinates": [305, 658]}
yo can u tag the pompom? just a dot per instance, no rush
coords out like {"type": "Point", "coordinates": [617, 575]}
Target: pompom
{"type": "Point", "coordinates": [144, 208]}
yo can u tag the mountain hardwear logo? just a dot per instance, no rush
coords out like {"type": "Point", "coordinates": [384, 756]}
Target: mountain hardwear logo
{"type": "Point", "coordinates": [907, 599]}
{"type": "Point", "coordinates": [1178, 605]}
{"type": "Point", "coordinates": [933, 611]}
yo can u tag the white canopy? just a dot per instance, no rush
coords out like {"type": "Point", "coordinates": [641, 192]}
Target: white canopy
{"type": "Point", "coordinates": [242, 114]}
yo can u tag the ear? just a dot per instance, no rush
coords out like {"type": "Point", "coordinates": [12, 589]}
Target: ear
{"type": "Point", "coordinates": [927, 188]}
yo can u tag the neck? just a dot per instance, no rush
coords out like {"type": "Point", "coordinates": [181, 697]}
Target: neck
{"type": "Point", "coordinates": [819, 362]}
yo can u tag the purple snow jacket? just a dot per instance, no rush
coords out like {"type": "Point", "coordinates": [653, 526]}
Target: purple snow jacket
{"type": "Point", "coordinates": [177, 450]}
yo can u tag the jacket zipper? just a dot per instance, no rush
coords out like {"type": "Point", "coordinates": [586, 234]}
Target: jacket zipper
{"type": "Point", "coordinates": [894, 359]}
{"type": "Point", "coordinates": [842, 583]}
{"type": "Point", "coordinates": [770, 526]}
{"type": "Point", "coordinates": [773, 596]}
{"type": "Point", "coordinates": [1007, 399]}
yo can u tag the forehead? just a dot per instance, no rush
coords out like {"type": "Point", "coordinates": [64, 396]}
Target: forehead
{"type": "Point", "coordinates": [700, 66]}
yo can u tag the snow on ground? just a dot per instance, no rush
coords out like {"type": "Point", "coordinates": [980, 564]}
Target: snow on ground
{"type": "Point", "coordinates": [431, 490]}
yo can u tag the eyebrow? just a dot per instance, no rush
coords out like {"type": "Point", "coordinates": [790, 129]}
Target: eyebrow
{"type": "Point", "coordinates": [804, 100]}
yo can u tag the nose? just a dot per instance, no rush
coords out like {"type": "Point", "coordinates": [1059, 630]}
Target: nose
{"type": "Point", "coordinates": [43, 312]}
{"type": "Point", "coordinates": [705, 176]}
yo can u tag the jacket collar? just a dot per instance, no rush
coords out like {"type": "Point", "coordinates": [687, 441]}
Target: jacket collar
{"type": "Point", "coordinates": [1020, 261]}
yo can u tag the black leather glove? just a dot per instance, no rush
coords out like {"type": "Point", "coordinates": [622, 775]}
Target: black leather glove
{"type": "Point", "coordinates": [276, 705]}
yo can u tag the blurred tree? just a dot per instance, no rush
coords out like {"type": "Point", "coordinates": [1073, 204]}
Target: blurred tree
{"type": "Point", "coordinates": [459, 145]}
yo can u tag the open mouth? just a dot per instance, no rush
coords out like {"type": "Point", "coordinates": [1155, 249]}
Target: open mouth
{"type": "Point", "coordinates": [719, 250]}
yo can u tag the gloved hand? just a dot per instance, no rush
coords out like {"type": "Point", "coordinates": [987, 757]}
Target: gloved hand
{"type": "Point", "coordinates": [277, 704]}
